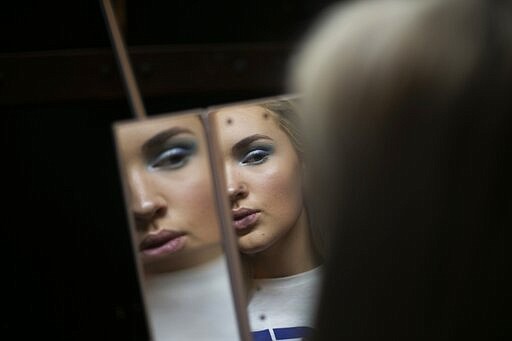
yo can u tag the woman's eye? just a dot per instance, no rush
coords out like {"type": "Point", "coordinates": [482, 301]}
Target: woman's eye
{"type": "Point", "coordinates": [172, 158]}
{"type": "Point", "coordinates": [255, 157]}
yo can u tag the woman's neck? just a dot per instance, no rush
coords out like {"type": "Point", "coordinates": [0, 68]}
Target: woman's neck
{"type": "Point", "coordinates": [294, 253]}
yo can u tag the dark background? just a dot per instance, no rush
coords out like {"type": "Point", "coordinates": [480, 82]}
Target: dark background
{"type": "Point", "coordinates": [66, 252]}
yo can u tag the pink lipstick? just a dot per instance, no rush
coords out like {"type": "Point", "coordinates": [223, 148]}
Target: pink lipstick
{"type": "Point", "coordinates": [244, 218]}
{"type": "Point", "coordinates": [162, 243]}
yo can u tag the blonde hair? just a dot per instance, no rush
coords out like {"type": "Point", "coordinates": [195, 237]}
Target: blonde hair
{"type": "Point", "coordinates": [286, 114]}
{"type": "Point", "coordinates": [369, 58]}
{"type": "Point", "coordinates": [370, 64]}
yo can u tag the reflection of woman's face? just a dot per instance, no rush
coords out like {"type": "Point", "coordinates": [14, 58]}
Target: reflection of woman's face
{"type": "Point", "coordinates": [263, 176]}
{"type": "Point", "coordinates": [170, 194]}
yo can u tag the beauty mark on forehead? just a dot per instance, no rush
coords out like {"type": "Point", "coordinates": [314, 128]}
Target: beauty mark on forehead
{"type": "Point", "coordinates": [229, 121]}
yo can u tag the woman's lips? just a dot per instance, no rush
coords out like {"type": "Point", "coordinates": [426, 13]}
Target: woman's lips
{"type": "Point", "coordinates": [161, 243]}
{"type": "Point", "coordinates": [244, 218]}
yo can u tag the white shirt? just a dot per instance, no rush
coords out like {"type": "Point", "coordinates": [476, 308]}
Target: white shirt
{"type": "Point", "coordinates": [192, 304]}
{"type": "Point", "coordinates": [284, 308]}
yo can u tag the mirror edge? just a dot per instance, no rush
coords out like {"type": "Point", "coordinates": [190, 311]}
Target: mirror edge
{"type": "Point", "coordinates": [130, 223]}
{"type": "Point", "coordinates": [225, 222]}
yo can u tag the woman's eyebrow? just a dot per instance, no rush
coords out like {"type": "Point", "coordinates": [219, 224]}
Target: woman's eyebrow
{"type": "Point", "coordinates": [248, 140]}
{"type": "Point", "coordinates": [158, 139]}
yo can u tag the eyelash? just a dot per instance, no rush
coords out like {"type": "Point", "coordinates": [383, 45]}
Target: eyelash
{"type": "Point", "coordinates": [256, 156]}
{"type": "Point", "coordinates": [172, 158]}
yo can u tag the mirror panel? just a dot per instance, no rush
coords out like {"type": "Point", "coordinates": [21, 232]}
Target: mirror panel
{"type": "Point", "coordinates": [261, 150]}
{"type": "Point", "coordinates": [165, 166]}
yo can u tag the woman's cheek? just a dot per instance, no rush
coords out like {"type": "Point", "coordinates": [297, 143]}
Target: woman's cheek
{"type": "Point", "coordinates": [200, 194]}
{"type": "Point", "coordinates": [283, 190]}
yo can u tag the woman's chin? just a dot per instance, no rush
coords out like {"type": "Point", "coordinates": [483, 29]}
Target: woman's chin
{"type": "Point", "coordinates": [251, 247]}
{"type": "Point", "coordinates": [185, 258]}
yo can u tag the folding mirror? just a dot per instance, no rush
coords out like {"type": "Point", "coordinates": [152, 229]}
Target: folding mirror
{"type": "Point", "coordinates": [220, 230]}
{"type": "Point", "coordinates": [213, 196]}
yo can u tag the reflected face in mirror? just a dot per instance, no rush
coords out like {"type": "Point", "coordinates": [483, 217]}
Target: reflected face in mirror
{"type": "Point", "coordinates": [166, 168]}
{"type": "Point", "coordinates": [260, 147]}
{"type": "Point", "coordinates": [263, 174]}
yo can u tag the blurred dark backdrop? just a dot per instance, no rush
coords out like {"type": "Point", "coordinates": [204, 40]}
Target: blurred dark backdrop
{"type": "Point", "coordinates": [66, 251]}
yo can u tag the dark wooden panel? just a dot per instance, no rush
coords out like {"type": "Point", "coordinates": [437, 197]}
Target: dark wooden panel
{"type": "Point", "coordinates": [92, 74]}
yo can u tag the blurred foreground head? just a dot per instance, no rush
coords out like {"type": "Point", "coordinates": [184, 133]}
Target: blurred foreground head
{"type": "Point", "coordinates": [407, 108]}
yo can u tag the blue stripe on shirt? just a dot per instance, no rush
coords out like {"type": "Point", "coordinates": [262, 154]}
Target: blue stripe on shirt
{"type": "Point", "coordinates": [282, 333]}
{"type": "Point", "coordinates": [292, 333]}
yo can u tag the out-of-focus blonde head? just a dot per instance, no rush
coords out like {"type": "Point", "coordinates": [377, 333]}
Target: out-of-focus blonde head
{"type": "Point", "coordinates": [407, 116]}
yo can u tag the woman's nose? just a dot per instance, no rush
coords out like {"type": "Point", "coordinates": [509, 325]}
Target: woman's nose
{"type": "Point", "coordinates": [237, 188]}
{"type": "Point", "coordinates": [145, 201]}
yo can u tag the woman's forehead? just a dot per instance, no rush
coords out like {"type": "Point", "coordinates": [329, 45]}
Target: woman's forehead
{"type": "Point", "coordinates": [242, 115]}
{"type": "Point", "coordinates": [144, 129]}
{"type": "Point", "coordinates": [236, 124]}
